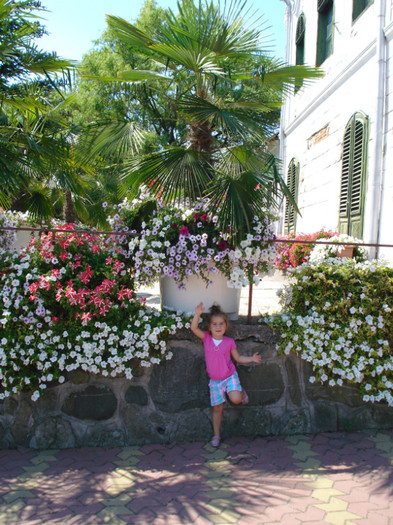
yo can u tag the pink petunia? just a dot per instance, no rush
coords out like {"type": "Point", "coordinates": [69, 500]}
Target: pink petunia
{"type": "Point", "coordinates": [183, 230]}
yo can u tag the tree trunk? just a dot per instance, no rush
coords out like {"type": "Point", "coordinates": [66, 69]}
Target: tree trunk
{"type": "Point", "coordinates": [69, 214]}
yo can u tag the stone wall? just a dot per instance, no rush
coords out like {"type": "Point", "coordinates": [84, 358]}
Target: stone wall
{"type": "Point", "coordinates": [170, 402]}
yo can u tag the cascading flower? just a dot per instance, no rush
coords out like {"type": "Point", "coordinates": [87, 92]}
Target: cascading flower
{"type": "Point", "coordinates": [337, 316]}
{"type": "Point", "coordinates": [67, 302]}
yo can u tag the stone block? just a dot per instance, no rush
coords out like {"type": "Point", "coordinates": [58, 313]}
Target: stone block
{"type": "Point", "coordinates": [102, 436]}
{"type": "Point", "coordinates": [136, 395]}
{"type": "Point", "coordinates": [351, 419]}
{"type": "Point", "coordinates": [193, 425]}
{"type": "Point", "coordinates": [22, 424]}
{"type": "Point", "coordinates": [48, 402]}
{"type": "Point", "coordinates": [94, 402]}
{"type": "Point", "coordinates": [142, 427]}
{"type": "Point", "coordinates": [10, 406]}
{"type": "Point", "coordinates": [246, 421]}
{"type": "Point", "coordinates": [324, 417]}
{"type": "Point", "coordinates": [6, 439]}
{"type": "Point", "coordinates": [383, 416]}
{"type": "Point", "coordinates": [347, 394]}
{"type": "Point", "coordinates": [53, 432]}
{"type": "Point", "coordinates": [78, 377]}
{"type": "Point", "coordinates": [292, 422]}
{"type": "Point", "coordinates": [293, 382]}
{"type": "Point", "coordinates": [263, 383]}
{"type": "Point", "coordinates": [181, 383]}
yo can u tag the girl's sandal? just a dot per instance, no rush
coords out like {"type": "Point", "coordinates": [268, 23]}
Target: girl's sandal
{"type": "Point", "coordinates": [215, 442]}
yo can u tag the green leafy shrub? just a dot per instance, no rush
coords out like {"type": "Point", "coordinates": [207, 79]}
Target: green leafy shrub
{"type": "Point", "coordinates": [337, 315]}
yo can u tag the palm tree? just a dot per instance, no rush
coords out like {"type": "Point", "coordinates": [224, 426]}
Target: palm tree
{"type": "Point", "coordinates": [226, 94]}
{"type": "Point", "coordinates": [34, 133]}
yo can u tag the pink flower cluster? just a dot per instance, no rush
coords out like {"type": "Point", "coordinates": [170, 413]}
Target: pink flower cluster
{"type": "Point", "coordinates": [292, 254]}
{"type": "Point", "coordinates": [82, 276]}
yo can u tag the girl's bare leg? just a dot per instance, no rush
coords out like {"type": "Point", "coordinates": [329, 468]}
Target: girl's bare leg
{"type": "Point", "coordinates": [236, 396]}
{"type": "Point", "coordinates": [217, 418]}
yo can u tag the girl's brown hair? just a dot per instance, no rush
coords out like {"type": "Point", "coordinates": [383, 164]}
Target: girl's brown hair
{"type": "Point", "coordinates": [215, 311]}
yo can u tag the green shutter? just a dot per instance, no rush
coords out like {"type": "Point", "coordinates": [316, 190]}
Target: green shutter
{"type": "Point", "coordinates": [300, 36]}
{"type": "Point", "coordinates": [323, 4]}
{"type": "Point", "coordinates": [300, 28]}
{"type": "Point", "coordinates": [359, 6]}
{"type": "Point", "coordinates": [325, 31]}
{"type": "Point", "coordinates": [353, 175]}
{"type": "Point", "coordinates": [293, 184]}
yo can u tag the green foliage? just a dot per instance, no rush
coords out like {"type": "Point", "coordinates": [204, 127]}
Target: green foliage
{"type": "Point", "coordinates": [33, 134]}
{"type": "Point", "coordinates": [203, 84]}
{"type": "Point", "coordinates": [338, 317]}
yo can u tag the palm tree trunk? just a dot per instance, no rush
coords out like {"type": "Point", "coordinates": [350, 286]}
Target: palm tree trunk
{"type": "Point", "coordinates": [69, 214]}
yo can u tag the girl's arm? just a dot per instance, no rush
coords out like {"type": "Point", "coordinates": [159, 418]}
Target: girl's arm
{"type": "Point", "coordinates": [195, 321]}
{"type": "Point", "coordinates": [243, 359]}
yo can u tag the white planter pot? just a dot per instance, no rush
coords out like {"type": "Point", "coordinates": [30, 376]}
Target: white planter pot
{"type": "Point", "coordinates": [22, 239]}
{"type": "Point", "coordinates": [185, 300]}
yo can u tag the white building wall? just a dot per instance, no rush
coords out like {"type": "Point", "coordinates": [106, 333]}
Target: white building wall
{"type": "Point", "coordinates": [314, 120]}
{"type": "Point", "coordinates": [386, 223]}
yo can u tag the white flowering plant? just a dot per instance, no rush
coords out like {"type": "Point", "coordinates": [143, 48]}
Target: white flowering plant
{"type": "Point", "coordinates": [67, 303]}
{"type": "Point", "coordinates": [333, 247]}
{"type": "Point", "coordinates": [337, 315]}
{"type": "Point", "coordinates": [185, 240]}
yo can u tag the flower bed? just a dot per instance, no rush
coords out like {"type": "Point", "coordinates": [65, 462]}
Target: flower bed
{"type": "Point", "coordinates": [68, 302]}
{"type": "Point", "coordinates": [338, 317]}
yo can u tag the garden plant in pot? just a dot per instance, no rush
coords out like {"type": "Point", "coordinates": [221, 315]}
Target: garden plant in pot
{"type": "Point", "coordinates": [195, 261]}
{"type": "Point", "coordinates": [205, 86]}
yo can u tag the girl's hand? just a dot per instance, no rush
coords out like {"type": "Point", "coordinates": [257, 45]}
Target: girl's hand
{"type": "Point", "coordinates": [199, 309]}
{"type": "Point", "coordinates": [257, 358]}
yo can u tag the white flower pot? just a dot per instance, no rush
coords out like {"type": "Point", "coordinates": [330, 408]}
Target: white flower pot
{"type": "Point", "coordinates": [22, 239]}
{"type": "Point", "coordinates": [185, 300]}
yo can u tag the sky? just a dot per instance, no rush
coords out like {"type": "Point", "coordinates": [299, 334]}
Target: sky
{"type": "Point", "coordinates": [73, 25]}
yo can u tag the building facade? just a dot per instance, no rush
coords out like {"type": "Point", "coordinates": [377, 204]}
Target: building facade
{"type": "Point", "coordinates": [336, 132]}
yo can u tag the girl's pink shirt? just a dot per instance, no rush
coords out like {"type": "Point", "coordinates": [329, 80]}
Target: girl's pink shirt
{"type": "Point", "coordinates": [219, 364]}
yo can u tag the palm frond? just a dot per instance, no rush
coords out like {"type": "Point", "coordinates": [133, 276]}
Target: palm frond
{"type": "Point", "coordinates": [281, 76]}
{"type": "Point", "coordinates": [241, 120]}
{"type": "Point", "coordinates": [115, 140]}
{"type": "Point", "coordinates": [173, 173]}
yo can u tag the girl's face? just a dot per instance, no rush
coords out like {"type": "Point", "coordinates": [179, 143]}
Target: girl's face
{"type": "Point", "coordinates": [218, 326]}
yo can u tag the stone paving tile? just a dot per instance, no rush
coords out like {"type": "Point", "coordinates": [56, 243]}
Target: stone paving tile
{"type": "Point", "coordinates": [330, 478]}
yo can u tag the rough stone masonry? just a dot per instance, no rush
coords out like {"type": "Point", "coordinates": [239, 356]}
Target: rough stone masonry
{"type": "Point", "coordinates": [170, 402]}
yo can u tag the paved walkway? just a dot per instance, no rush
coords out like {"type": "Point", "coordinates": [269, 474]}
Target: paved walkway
{"type": "Point", "coordinates": [339, 478]}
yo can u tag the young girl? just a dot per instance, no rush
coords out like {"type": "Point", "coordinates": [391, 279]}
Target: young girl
{"type": "Point", "coordinates": [220, 368]}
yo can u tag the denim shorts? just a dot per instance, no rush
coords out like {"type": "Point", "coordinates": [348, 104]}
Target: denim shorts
{"type": "Point", "coordinates": [218, 389]}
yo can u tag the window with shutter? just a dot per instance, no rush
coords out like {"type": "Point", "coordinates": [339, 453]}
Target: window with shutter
{"type": "Point", "coordinates": [293, 184]}
{"type": "Point", "coordinates": [359, 6]}
{"type": "Point", "coordinates": [300, 37]}
{"type": "Point", "coordinates": [353, 176]}
{"type": "Point", "coordinates": [325, 30]}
